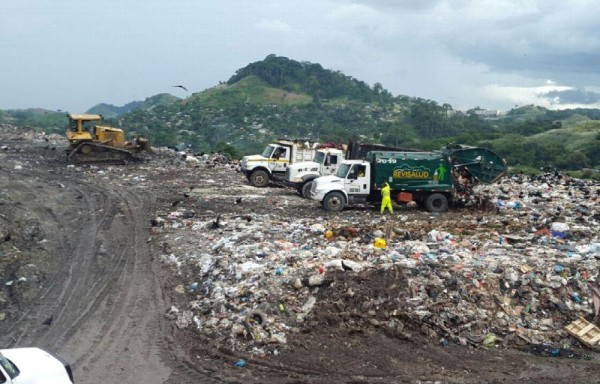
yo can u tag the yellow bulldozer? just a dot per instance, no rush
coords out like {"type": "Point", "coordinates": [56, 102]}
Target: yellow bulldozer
{"type": "Point", "coordinates": [90, 142]}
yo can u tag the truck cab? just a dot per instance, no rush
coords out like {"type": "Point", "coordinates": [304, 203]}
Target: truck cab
{"type": "Point", "coordinates": [272, 163]}
{"type": "Point", "coordinates": [301, 175]}
{"type": "Point", "coordinates": [351, 184]}
{"type": "Point", "coordinates": [356, 177]}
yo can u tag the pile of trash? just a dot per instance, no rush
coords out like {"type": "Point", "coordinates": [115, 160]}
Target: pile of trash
{"type": "Point", "coordinates": [256, 265]}
{"type": "Point", "coordinates": [514, 274]}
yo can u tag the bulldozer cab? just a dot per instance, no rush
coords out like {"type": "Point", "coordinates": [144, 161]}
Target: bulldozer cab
{"type": "Point", "coordinates": [92, 142]}
{"type": "Point", "coordinates": [80, 123]}
{"type": "Point", "coordinates": [84, 127]}
{"type": "Point", "coordinates": [81, 127]}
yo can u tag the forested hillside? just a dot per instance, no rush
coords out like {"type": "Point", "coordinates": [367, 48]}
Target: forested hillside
{"type": "Point", "coordinates": [111, 111]}
{"type": "Point", "coordinates": [279, 97]}
{"type": "Point", "coordinates": [56, 121]}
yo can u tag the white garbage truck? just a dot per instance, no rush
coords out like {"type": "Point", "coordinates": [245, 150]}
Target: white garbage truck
{"type": "Point", "coordinates": [431, 179]}
{"type": "Point", "coordinates": [327, 161]}
{"type": "Point", "coordinates": [273, 162]}
{"type": "Point", "coordinates": [301, 175]}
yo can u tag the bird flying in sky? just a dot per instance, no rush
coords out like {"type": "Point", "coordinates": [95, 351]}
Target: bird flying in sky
{"type": "Point", "coordinates": [180, 86]}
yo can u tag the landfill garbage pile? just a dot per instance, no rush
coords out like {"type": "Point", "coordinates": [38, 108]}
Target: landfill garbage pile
{"type": "Point", "coordinates": [261, 285]}
{"type": "Point", "coordinates": [256, 265]}
{"type": "Point", "coordinates": [259, 265]}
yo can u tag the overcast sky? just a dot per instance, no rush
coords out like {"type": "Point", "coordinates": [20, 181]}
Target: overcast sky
{"type": "Point", "coordinates": [73, 54]}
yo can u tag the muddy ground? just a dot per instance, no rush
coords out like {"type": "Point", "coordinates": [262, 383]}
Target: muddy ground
{"type": "Point", "coordinates": [81, 276]}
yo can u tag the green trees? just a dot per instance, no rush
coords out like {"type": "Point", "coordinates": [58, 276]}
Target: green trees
{"type": "Point", "coordinates": [223, 122]}
{"type": "Point", "coordinates": [312, 79]}
{"type": "Point", "coordinates": [227, 149]}
{"type": "Point", "coordinates": [399, 134]}
{"type": "Point", "coordinates": [278, 97]}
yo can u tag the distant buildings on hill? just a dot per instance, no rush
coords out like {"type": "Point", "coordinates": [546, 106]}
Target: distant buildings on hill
{"type": "Point", "coordinates": [485, 113]}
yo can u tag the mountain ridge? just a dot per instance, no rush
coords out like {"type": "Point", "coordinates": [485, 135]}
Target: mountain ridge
{"type": "Point", "coordinates": [279, 97]}
{"type": "Point", "coordinates": [112, 111]}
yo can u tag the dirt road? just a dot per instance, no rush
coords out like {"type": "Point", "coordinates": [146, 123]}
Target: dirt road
{"type": "Point", "coordinates": [102, 296]}
{"type": "Point", "coordinates": [96, 299]}
{"type": "Point", "coordinates": [97, 295]}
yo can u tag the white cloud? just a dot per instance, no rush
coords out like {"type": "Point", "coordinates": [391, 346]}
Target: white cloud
{"type": "Point", "coordinates": [537, 95]}
{"type": "Point", "coordinates": [274, 26]}
{"type": "Point", "coordinates": [354, 13]}
{"type": "Point", "coordinates": [488, 10]}
{"type": "Point", "coordinates": [487, 52]}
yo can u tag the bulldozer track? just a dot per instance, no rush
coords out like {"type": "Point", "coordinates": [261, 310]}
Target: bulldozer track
{"type": "Point", "coordinates": [91, 153]}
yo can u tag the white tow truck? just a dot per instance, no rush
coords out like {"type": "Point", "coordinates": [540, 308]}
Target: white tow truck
{"type": "Point", "coordinates": [33, 366]}
{"type": "Point", "coordinates": [273, 162]}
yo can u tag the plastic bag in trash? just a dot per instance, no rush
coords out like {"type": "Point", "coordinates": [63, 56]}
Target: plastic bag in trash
{"type": "Point", "coordinates": [489, 341]}
{"type": "Point", "coordinates": [379, 243]}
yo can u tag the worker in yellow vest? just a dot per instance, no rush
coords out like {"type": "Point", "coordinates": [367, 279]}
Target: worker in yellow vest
{"type": "Point", "coordinates": [386, 202]}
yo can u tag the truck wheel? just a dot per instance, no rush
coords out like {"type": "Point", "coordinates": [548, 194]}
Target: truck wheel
{"type": "Point", "coordinates": [306, 189]}
{"type": "Point", "coordinates": [334, 201]}
{"type": "Point", "coordinates": [259, 178]}
{"type": "Point", "coordinates": [436, 202]}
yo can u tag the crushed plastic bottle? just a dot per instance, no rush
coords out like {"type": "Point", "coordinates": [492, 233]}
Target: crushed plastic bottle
{"type": "Point", "coordinates": [240, 363]}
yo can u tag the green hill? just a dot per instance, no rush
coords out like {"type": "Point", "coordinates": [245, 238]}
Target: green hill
{"type": "Point", "coordinates": [279, 97]}
{"type": "Point", "coordinates": [308, 78]}
{"type": "Point", "coordinates": [249, 90]}
{"type": "Point", "coordinates": [40, 119]}
{"type": "Point", "coordinates": [56, 121]}
{"type": "Point", "coordinates": [112, 111]}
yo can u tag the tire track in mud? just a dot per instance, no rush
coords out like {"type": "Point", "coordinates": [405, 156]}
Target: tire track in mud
{"type": "Point", "coordinates": [27, 327]}
{"type": "Point", "coordinates": [68, 282]}
{"type": "Point", "coordinates": [103, 295]}
{"type": "Point", "coordinates": [103, 290]}
{"type": "Point", "coordinates": [77, 287]}
{"type": "Point", "coordinates": [125, 332]}
{"type": "Point", "coordinates": [114, 334]}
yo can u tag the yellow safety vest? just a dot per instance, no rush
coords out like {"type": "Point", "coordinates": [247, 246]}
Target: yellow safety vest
{"type": "Point", "coordinates": [385, 191]}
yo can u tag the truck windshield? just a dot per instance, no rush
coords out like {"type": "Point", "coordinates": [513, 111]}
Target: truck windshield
{"type": "Point", "coordinates": [268, 151]}
{"type": "Point", "coordinates": [319, 157]}
{"type": "Point", "coordinates": [8, 367]}
{"type": "Point", "coordinates": [343, 170]}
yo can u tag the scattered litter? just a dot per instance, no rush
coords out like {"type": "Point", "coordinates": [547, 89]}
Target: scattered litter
{"type": "Point", "coordinates": [524, 267]}
{"type": "Point", "coordinates": [584, 331]}
{"type": "Point", "coordinates": [240, 363]}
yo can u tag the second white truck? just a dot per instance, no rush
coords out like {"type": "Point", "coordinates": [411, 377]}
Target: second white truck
{"type": "Point", "coordinates": [301, 175]}
{"type": "Point", "coordinates": [273, 162]}
{"type": "Point", "coordinates": [327, 161]}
